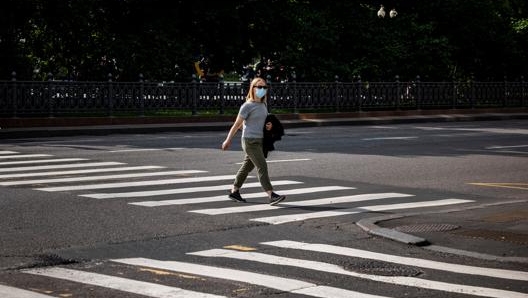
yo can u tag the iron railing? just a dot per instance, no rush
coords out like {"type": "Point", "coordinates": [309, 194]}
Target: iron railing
{"type": "Point", "coordinates": [63, 98]}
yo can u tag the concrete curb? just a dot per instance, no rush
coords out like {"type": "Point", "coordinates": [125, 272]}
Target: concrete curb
{"type": "Point", "coordinates": [143, 126]}
{"type": "Point", "coordinates": [370, 226]}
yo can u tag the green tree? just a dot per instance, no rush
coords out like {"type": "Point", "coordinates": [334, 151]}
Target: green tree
{"type": "Point", "coordinates": [437, 39]}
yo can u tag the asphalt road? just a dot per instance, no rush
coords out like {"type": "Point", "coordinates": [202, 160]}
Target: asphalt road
{"type": "Point", "coordinates": [147, 215]}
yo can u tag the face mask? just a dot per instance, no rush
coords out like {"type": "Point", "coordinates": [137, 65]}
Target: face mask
{"type": "Point", "coordinates": [260, 93]}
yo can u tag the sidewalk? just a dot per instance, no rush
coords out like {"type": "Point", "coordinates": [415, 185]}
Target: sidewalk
{"type": "Point", "coordinates": [12, 128]}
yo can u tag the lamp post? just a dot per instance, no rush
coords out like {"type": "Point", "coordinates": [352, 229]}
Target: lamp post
{"type": "Point", "coordinates": [381, 12]}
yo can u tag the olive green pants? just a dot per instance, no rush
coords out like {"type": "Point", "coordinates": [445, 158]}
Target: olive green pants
{"type": "Point", "coordinates": [254, 158]}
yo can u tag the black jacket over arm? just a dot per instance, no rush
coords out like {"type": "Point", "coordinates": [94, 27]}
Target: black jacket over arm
{"type": "Point", "coordinates": [273, 135]}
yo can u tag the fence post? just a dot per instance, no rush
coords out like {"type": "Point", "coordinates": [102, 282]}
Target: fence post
{"type": "Point", "coordinates": [295, 96]}
{"type": "Point", "coordinates": [194, 97]}
{"type": "Point", "coordinates": [50, 94]}
{"type": "Point", "coordinates": [523, 94]}
{"type": "Point", "coordinates": [141, 95]}
{"type": "Point", "coordinates": [454, 99]}
{"type": "Point", "coordinates": [418, 93]}
{"type": "Point", "coordinates": [505, 96]}
{"type": "Point", "coordinates": [222, 87]}
{"type": "Point", "coordinates": [398, 92]}
{"type": "Point", "coordinates": [110, 96]}
{"type": "Point", "coordinates": [338, 101]}
{"type": "Point", "coordinates": [14, 95]}
{"type": "Point", "coordinates": [472, 92]}
{"type": "Point", "coordinates": [359, 95]}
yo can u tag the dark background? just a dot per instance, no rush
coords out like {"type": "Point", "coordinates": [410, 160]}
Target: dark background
{"type": "Point", "coordinates": [439, 40]}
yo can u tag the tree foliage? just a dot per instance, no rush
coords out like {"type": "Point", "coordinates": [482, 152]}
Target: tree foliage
{"type": "Point", "coordinates": [436, 39]}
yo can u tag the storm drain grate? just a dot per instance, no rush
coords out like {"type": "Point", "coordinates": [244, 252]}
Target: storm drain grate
{"type": "Point", "coordinates": [426, 228]}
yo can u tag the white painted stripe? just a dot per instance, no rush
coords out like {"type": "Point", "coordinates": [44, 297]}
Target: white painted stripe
{"type": "Point", "coordinates": [94, 178]}
{"type": "Point", "coordinates": [264, 280]}
{"type": "Point", "coordinates": [384, 127]}
{"type": "Point", "coordinates": [509, 151]}
{"type": "Point", "coordinates": [23, 156]}
{"type": "Point", "coordinates": [8, 152]}
{"type": "Point", "coordinates": [162, 192]}
{"type": "Point", "coordinates": [416, 204]}
{"type": "Point", "coordinates": [143, 149]}
{"type": "Point", "coordinates": [137, 183]}
{"type": "Point", "coordinates": [68, 166]}
{"type": "Point", "coordinates": [488, 130]}
{"type": "Point", "coordinates": [335, 269]}
{"type": "Point", "coordinates": [283, 160]}
{"type": "Point", "coordinates": [75, 172]}
{"type": "Point", "coordinates": [331, 292]}
{"type": "Point", "coordinates": [317, 202]}
{"type": "Point", "coordinates": [275, 220]}
{"type": "Point", "coordinates": [20, 162]}
{"type": "Point", "coordinates": [506, 147]}
{"type": "Point", "coordinates": [288, 160]}
{"type": "Point", "coordinates": [348, 199]}
{"type": "Point", "coordinates": [10, 292]}
{"type": "Point", "coordinates": [246, 196]}
{"type": "Point", "coordinates": [281, 219]}
{"type": "Point", "coordinates": [118, 283]}
{"type": "Point", "coordinates": [231, 210]}
{"type": "Point", "coordinates": [435, 265]}
{"type": "Point", "coordinates": [181, 201]}
{"type": "Point", "coordinates": [499, 130]}
{"type": "Point", "coordinates": [388, 138]}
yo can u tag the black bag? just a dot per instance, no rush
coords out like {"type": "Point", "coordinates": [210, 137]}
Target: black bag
{"type": "Point", "coordinates": [271, 136]}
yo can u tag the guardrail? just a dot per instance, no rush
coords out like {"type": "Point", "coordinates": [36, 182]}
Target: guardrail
{"type": "Point", "coordinates": [66, 98]}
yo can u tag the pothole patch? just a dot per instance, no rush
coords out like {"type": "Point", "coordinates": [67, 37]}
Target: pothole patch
{"type": "Point", "coordinates": [49, 260]}
{"type": "Point", "coordinates": [382, 268]}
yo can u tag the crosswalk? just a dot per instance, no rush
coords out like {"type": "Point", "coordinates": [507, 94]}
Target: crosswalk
{"type": "Point", "coordinates": [106, 180]}
{"type": "Point", "coordinates": [278, 256]}
{"type": "Point", "coordinates": [278, 265]}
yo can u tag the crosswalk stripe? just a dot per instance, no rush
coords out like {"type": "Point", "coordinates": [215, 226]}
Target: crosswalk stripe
{"type": "Point", "coordinates": [33, 161]}
{"type": "Point", "coordinates": [118, 283]}
{"type": "Point", "coordinates": [283, 160]}
{"type": "Point", "coordinates": [335, 269]}
{"type": "Point", "coordinates": [66, 166]}
{"type": "Point", "coordinates": [93, 178]}
{"type": "Point", "coordinates": [23, 156]}
{"type": "Point", "coordinates": [161, 192]}
{"type": "Point", "coordinates": [10, 292]}
{"type": "Point", "coordinates": [75, 172]}
{"type": "Point", "coordinates": [137, 183]}
{"type": "Point", "coordinates": [317, 202]}
{"type": "Point", "coordinates": [435, 265]}
{"type": "Point", "coordinates": [265, 280]}
{"type": "Point", "coordinates": [280, 219]}
{"type": "Point", "coordinates": [7, 152]}
{"type": "Point", "coordinates": [246, 196]}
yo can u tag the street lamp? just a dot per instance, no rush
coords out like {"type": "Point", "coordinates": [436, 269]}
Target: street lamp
{"type": "Point", "coordinates": [381, 12]}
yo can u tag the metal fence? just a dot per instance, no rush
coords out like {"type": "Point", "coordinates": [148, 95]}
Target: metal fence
{"type": "Point", "coordinates": [66, 98]}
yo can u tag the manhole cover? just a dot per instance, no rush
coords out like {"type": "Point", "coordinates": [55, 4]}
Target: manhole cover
{"type": "Point", "coordinates": [426, 228]}
{"type": "Point", "coordinates": [382, 268]}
